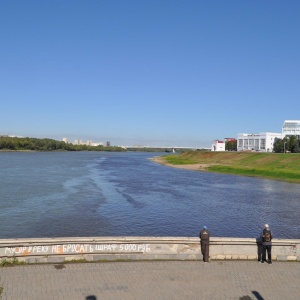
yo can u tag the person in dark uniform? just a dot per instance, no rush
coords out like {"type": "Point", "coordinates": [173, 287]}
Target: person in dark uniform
{"type": "Point", "coordinates": [204, 241]}
{"type": "Point", "coordinates": [266, 237]}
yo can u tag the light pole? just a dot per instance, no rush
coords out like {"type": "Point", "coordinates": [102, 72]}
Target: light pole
{"type": "Point", "coordinates": [284, 147]}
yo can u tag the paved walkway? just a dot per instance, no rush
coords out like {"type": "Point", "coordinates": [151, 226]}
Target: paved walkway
{"type": "Point", "coordinates": [152, 280]}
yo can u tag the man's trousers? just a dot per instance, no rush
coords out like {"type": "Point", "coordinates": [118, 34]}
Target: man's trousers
{"type": "Point", "coordinates": [205, 250]}
{"type": "Point", "coordinates": [267, 248]}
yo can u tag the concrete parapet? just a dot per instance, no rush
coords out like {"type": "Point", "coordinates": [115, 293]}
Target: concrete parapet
{"type": "Point", "coordinates": [60, 250]}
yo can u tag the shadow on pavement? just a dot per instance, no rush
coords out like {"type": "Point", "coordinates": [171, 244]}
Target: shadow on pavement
{"type": "Point", "coordinates": [257, 295]}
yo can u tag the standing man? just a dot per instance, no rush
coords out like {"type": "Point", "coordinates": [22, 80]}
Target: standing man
{"type": "Point", "coordinates": [204, 241]}
{"type": "Point", "coordinates": [266, 237]}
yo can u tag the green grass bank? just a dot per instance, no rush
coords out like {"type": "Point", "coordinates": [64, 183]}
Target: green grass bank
{"type": "Point", "coordinates": [277, 166]}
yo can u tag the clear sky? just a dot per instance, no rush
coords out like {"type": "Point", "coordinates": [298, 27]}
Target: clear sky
{"type": "Point", "coordinates": [152, 72]}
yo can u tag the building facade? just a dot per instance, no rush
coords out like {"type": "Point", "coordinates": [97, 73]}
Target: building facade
{"type": "Point", "coordinates": [218, 145]}
{"type": "Point", "coordinates": [291, 127]}
{"type": "Point", "coordinates": [263, 142]}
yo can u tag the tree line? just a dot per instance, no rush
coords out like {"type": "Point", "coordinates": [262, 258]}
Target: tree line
{"type": "Point", "coordinates": [287, 144]}
{"type": "Point", "coordinates": [35, 144]}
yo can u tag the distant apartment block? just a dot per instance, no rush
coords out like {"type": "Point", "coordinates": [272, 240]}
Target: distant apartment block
{"type": "Point", "coordinates": [96, 144]}
{"type": "Point", "coordinates": [76, 142]}
{"type": "Point", "coordinates": [88, 142]}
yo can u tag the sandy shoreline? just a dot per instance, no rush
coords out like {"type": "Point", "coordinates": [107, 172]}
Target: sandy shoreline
{"type": "Point", "coordinates": [192, 167]}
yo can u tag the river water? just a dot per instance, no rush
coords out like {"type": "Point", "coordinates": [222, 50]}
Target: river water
{"type": "Point", "coordinates": [66, 194]}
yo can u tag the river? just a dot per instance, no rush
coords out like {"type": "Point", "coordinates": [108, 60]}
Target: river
{"type": "Point", "coordinates": [66, 194]}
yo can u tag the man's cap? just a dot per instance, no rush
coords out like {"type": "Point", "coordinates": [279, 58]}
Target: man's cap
{"type": "Point", "coordinates": [266, 226]}
{"type": "Point", "coordinates": [204, 227]}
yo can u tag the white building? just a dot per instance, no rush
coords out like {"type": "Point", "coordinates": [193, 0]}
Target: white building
{"type": "Point", "coordinates": [218, 145]}
{"type": "Point", "coordinates": [257, 142]}
{"type": "Point", "coordinates": [291, 127]}
{"type": "Point", "coordinates": [76, 142]}
{"type": "Point", "coordinates": [96, 144]}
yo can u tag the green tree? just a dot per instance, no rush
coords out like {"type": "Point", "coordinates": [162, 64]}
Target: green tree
{"type": "Point", "coordinates": [297, 146]}
{"type": "Point", "coordinates": [278, 145]}
{"type": "Point", "coordinates": [292, 143]}
{"type": "Point", "coordinates": [231, 145]}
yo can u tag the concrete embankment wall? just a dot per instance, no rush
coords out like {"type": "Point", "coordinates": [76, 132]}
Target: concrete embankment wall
{"type": "Point", "coordinates": [60, 250]}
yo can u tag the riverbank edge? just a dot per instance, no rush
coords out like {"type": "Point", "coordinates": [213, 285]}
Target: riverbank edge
{"type": "Point", "coordinates": [192, 167]}
{"type": "Point", "coordinates": [205, 168]}
{"type": "Point", "coordinates": [95, 249]}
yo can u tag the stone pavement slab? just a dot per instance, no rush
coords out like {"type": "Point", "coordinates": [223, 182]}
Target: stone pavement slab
{"type": "Point", "coordinates": [152, 280]}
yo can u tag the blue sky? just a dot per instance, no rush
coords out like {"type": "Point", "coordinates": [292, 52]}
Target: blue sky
{"type": "Point", "coordinates": [169, 73]}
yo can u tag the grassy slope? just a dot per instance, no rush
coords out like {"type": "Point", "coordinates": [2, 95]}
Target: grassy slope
{"type": "Point", "coordinates": [268, 165]}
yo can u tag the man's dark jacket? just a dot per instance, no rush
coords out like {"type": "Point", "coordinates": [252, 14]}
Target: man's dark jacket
{"type": "Point", "coordinates": [204, 235]}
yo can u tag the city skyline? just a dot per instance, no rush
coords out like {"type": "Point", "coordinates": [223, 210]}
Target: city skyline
{"type": "Point", "coordinates": [148, 73]}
